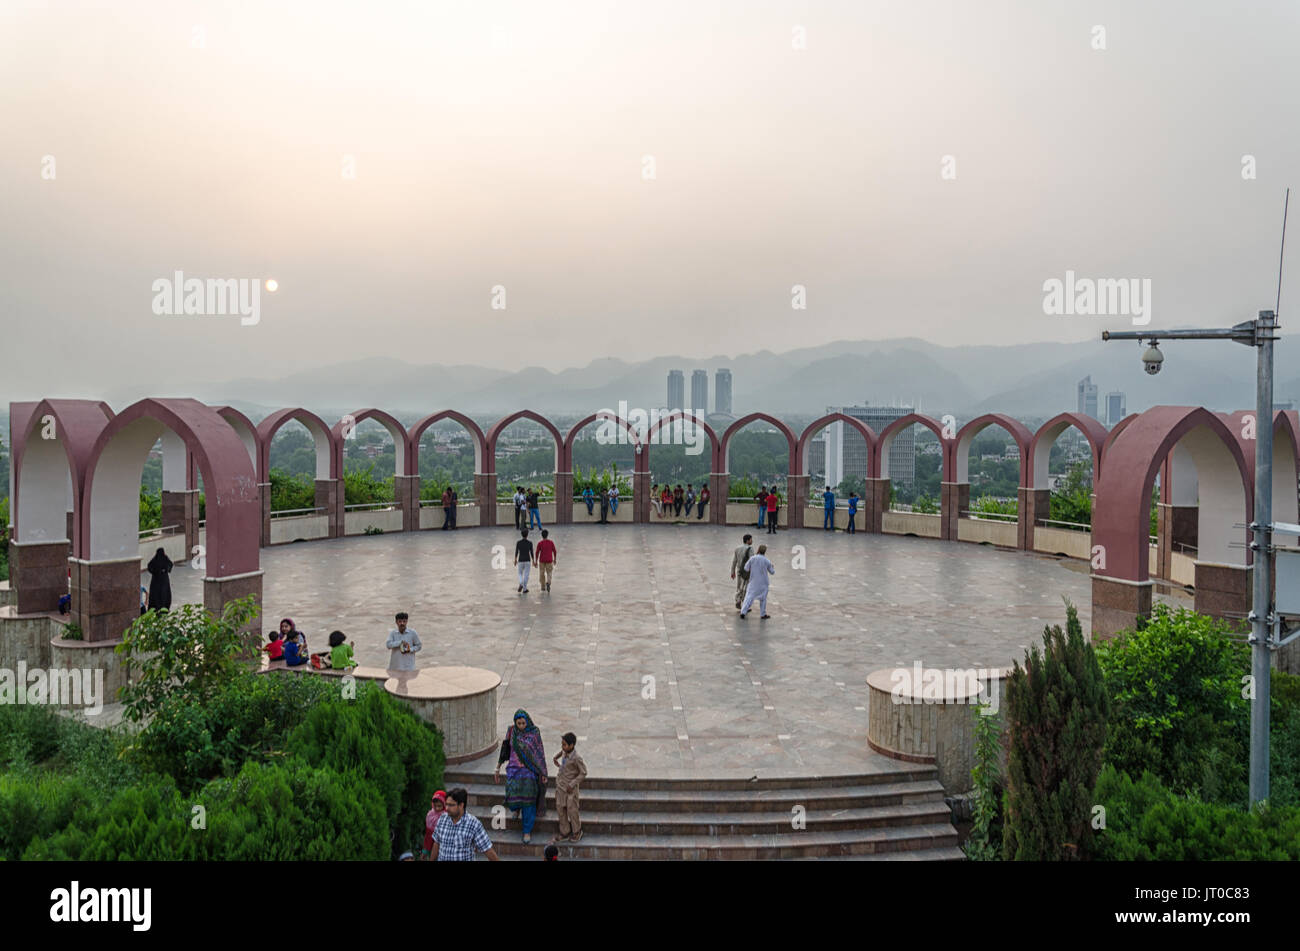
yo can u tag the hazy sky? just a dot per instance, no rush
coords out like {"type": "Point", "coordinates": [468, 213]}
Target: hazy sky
{"type": "Point", "coordinates": [504, 143]}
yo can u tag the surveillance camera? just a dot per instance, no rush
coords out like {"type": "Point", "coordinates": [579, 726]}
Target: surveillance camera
{"type": "Point", "coordinates": [1153, 359]}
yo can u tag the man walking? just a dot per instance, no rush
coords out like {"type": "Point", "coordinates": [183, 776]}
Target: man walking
{"type": "Point", "coordinates": [458, 836]}
{"type": "Point", "coordinates": [828, 499]}
{"type": "Point", "coordinates": [771, 511]}
{"type": "Point", "coordinates": [739, 573]}
{"type": "Point", "coordinates": [546, 559]}
{"type": "Point", "coordinates": [523, 559]}
{"type": "Point", "coordinates": [759, 568]}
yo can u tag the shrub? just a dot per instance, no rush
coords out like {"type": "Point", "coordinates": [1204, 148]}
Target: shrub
{"type": "Point", "coordinates": [386, 744]}
{"type": "Point", "coordinates": [35, 808]}
{"type": "Point", "coordinates": [1176, 691]}
{"type": "Point", "coordinates": [1146, 821]}
{"type": "Point", "coordinates": [1056, 728]}
{"type": "Point", "coordinates": [147, 821]}
{"type": "Point", "coordinates": [29, 733]}
{"type": "Point", "coordinates": [985, 841]}
{"type": "Point", "coordinates": [187, 653]}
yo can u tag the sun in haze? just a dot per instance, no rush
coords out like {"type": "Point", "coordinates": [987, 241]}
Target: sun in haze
{"type": "Point", "coordinates": [272, 285]}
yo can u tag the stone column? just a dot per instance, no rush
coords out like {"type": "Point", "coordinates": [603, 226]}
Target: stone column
{"type": "Point", "coordinates": [797, 500]}
{"type": "Point", "coordinates": [329, 496]}
{"type": "Point", "coordinates": [38, 574]}
{"type": "Point", "coordinates": [1033, 505]}
{"type": "Point", "coordinates": [406, 492]}
{"type": "Point", "coordinates": [954, 499]}
{"type": "Point", "coordinates": [105, 596]}
{"type": "Point", "coordinates": [564, 498]}
{"type": "Point", "coordinates": [485, 492]}
{"type": "Point", "coordinates": [182, 508]}
{"type": "Point", "coordinates": [217, 592]}
{"type": "Point", "coordinates": [1176, 525]}
{"type": "Point", "coordinates": [264, 496]}
{"type": "Point", "coordinates": [641, 497]}
{"type": "Point", "coordinates": [719, 486]}
{"type": "Point", "coordinates": [1116, 605]}
{"type": "Point", "coordinates": [875, 505]}
{"type": "Point", "coordinates": [1223, 591]}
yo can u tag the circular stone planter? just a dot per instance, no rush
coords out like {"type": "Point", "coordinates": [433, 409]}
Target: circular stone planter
{"type": "Point", "coordinates": [459, 701]}
{"type": "Point", "coordinates": [926, 715]}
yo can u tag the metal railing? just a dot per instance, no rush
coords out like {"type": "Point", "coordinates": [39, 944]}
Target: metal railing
{"type": "Point", "coordinates": [1071, 526]}
{"type": "Point", "coordinates": [371, 507]}
{"type": "Point", "coordinates": [290, 513]}
{"type": "Point", "coordinates": [161, 531]}
{"type": "Point", "coordinates": [990, 516]}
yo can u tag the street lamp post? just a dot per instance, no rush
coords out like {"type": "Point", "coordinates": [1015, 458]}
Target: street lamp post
{"type": "Point", "coordinates": [1259, 334]}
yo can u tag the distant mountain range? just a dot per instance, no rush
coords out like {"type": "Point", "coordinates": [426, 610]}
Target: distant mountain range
{"type": "Point", "coordinates": [1025, 380]}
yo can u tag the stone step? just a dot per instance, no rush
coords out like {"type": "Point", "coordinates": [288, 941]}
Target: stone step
{"type": "Point", "coordinates": [792, 845]}
{"type": "Point", "coordinates": [945, 854]}
{"type": "Point", "coordinates": [896, 773]}
{"type": "Point", "coordinates": [482, 796]}
{"type": "Point", "coordinates": [740, 823]}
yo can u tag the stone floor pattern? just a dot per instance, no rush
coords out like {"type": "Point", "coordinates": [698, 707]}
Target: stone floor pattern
{"type": "Point", "coordinates": [638, 649]}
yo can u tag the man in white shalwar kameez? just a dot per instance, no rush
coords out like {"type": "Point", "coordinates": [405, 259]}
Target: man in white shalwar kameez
{"type": "Point", "coordinates": [759, 567]}
{"type": "Point", "coordinates": [404, 643]}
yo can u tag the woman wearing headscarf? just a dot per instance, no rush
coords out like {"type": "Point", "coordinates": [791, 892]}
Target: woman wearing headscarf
{"type": "Point", "coordinates": [525, 771]}
{"type": "Point", "coordinates": [160, 586]}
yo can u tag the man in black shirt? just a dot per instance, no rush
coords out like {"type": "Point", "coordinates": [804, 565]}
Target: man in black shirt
{"type": "Point", "coordinates": [523, 559]}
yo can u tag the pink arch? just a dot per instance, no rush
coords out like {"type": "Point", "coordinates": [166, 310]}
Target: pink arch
{"type": "Point", "coordinates": [401, 439]}
{"type": "Point", "coordinates": [495, 430]}
{"type": "Point", "coordinates": [801, 449]}
{"type": "Point", "coordinates": [1120, 523]}
{"type": "Point", "coordinates": [234, 511]}
{"type": "Point", "coordinates": [1046, 437]}
{"type": "Point", "coordinates": [792, 441]}
{"type": "Point", "coordinates": [77, 424]}
{"type": "Point", "coordinates": [966, 435]}
{"type": "Point", "coordinates": [715, 444]}
{"type": "Point", "coordinates": [243, 428]}
{"type": "Point", "coordinates": [1115, 431]}
{"type": "Point", "coordinates": [886, 439]}
{"type": "Point", "coordinates": [417, 432]}
{"type": "Point", "coordinates": [634, 439]}
{"type": "Point", "coordinates": [268, 427]}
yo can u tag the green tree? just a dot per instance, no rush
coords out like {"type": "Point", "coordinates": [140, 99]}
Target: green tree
{"type": "Point", "coordinates": [186, 652]}
{"type": "Point", "coordinates": [1072, 500]}
{"type": "Point", "coordinates": [1057, 711]}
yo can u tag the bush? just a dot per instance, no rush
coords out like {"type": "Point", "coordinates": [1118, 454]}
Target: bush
{"type": "Point", "coordinates": [1145, 821]}
{"type": "Point", "coordinates": [147, 821]}
{"type": "Point", "coordinates": [33, 808]}
{"type": "Point", "coordinates": [985, 841]}
{"type": "Point", "coordinates": [1056, 729]}
{"type": "Point", "coordinates": [1176, 691]}
{"type": "Point", "coordinates": [387, 745]}
{"type": "Point", "coordinates": [29, 733]}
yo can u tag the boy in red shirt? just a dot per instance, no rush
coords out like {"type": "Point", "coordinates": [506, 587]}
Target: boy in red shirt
{"type": "Point", "coordinates": [546, 559]}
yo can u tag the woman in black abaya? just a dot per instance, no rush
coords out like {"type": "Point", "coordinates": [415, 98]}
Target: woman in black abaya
{"type": "Point", "coordinates": [160, 585]}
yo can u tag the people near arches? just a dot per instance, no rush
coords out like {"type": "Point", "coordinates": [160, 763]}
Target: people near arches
{"type": "Point", "coordinates": [613, 500]}
{"type": "Point", "coordinates": [828, 501]}
{"type": "Point", "coordinates": [589, 498]}
{"type": "Point", "coordinates": [521, 501]}
{"type": "Point", "coordinates": [546, 558]}
{"type": "Point", "coordinates": [772, 504]}
{"type": "Point", "coordinates": [534, 509]}
{"type": "Point", "coordinates": [689, 500]}
{"type": "Point", "coordinates": [704, 499]}
{"type": "Point", "coordinates": [523, 560]}
{"type": "Point", "coordinates": [341, 651]}
{"type": "Point", "coordinates": [759, 568]}
{"type": "Point", "coordinates": [665, 500]}
{"type": "Point", "coordinates": [455, 501]}
{"type": "Point", "coordinates": [160, 585]}
{"type": "Point", "coordinates": [295, 643]}
{"type": "Point", "coordinates": [761, 499]}
{"type": "Point", "coordinates": [403, 643]}
{"type": "Point", "coordinates": [853, 512]}
{"type": "Point", "coordinates": [446, 508]}
{"type": "Point", "coordinates": [524, 757]}
{"type": "Point", "coordinates": [739, 573]}
{"type": "Point", "coordinates": [655, 501]}
{"type": "Point", "coordinates": [604, 506]}
{"type": "Point", "coordinates": [678, 499]}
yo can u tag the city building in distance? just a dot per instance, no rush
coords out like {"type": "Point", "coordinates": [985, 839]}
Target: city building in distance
{"type": "Point", "coordinates": [1088, 398]}
{"type": "Point", "coordinates": [1116, 407]}
{"type": "Point", "coordinates": [846, 451]}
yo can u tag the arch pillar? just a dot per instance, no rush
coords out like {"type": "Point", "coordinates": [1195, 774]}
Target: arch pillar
{"type": "Point", "coordinates": [38, 574]}
{"type": "Point", "coordinates": [563, 498]}
{"type": "Point", "coordinates": [875, 505]}
{"type": "Point", "coordinates": [485, 494]}
{"type": "Point", "coordinates": [954, 498]}
{"type": "Point", "coordinates": [641, 496]}
{"type": "Point", "coordinates": [330, 497]}
{"type": "Point", "coordinates": [719, 486]}
{"type": "Point", "coordinates": [1033, 504]}
{"type": "Point", "coordinates": [1117, 603]}
{"type": "Point", "coordinates": [264, 497]}
{"type": "Point", "coordinates": [797, 499]}
{"type": "Point", "coordinates": [217, 592]}
{"type": "Point", "coordinates": [406, 493]}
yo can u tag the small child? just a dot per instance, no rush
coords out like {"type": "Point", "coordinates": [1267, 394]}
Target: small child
{"type": "Point", "coordinates": [295, 649]}
{"type": "Point", "coordinates": [572, 772]}
{"type": "Point", "coordinates": [340, 652]}
{"type": "Point", "coordinates": [275, 649]}
{"type": "Point", "coordinates": [438, 809]}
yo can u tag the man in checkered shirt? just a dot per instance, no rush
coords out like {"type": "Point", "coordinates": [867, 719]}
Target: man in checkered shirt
{"type": "Point", "coordinates": [458, 835]}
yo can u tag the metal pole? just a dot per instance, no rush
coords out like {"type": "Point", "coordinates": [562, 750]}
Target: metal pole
{"type": "Point", "coordinates": [1261, 613]}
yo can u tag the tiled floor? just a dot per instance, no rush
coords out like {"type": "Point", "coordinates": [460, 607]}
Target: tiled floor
{"type": "Point", "coordinates": [638, 649]}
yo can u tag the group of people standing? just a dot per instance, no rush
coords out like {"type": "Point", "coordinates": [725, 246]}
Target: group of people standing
{"type": "Point", "coordinates": [672, 501]}
{"type": "Point", "coordinates": [769, 505]}
{"type": "Point", "coordinates": [608, 498]}
{"type": "Point", "coordinates": [751, 570]}
{"type": "Point", "coordinates": [527, 508]}
{"type": "Point", "coordinates": [449, 502]}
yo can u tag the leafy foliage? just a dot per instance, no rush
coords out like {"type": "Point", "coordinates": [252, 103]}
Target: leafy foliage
{"type": "Point", "coordinates": [985, 841]}
{"type": "Point", "coordinates": [1072, 500]}
{"type": "Point", "coordinates": [1057, 712]}
{"type": "Point", "coordinates": [187, 652]}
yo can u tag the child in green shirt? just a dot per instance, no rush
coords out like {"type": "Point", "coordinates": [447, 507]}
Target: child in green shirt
{"type": "Point", "coordinates": [340, 653]}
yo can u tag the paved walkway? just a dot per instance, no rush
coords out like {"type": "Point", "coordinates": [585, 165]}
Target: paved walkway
{"type": "Point", "coordinates": [638, 649]}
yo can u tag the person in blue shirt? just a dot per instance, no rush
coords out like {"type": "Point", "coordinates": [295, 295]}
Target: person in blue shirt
{"type": "Point", "coordinates": [590, 498]}
{"type": "Point", "coordinates": [828, 522]}
{"type": "Point", "coordinates": [853, 511]}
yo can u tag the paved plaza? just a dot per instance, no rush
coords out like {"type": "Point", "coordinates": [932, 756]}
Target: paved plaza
{"type": "Point", "coordinates": [782, 696]}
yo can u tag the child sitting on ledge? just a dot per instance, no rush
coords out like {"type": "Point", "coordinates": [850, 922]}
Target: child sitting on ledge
{"type": "Point", "coordinates": [340, 652]}
{"type": "Point", "coordinates": [274, 649]}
